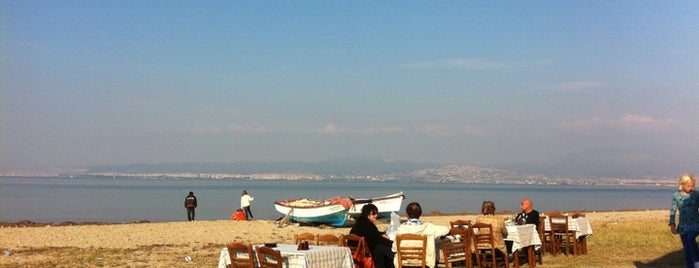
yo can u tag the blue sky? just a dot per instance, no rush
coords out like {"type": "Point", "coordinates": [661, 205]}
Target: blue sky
{"type": "Point", "coordinates": [580, 87]}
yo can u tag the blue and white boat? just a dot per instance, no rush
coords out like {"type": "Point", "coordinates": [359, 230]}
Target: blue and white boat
{"type": "Point", "coordinates": [332, 211]}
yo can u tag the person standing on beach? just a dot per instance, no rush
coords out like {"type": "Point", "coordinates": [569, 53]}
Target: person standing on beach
{"type": "Point", "coordinates": [245, 202]}
{"type": "Point", "coordinates": [528, 214]}
{"type": "Point", "coordinates": [190, 203]}
{"type": "Point", "coordinates": [685, 200]}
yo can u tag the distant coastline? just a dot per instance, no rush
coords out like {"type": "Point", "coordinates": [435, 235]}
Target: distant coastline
{"type": "Point", "coordinates": [348, 170]}
{"type": "Point", "coordinates": [570, 181]}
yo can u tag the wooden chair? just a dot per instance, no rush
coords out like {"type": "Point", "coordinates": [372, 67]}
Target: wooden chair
{"type": "Point", "coordinates": [238, 259]}
{"type": "Point", "coordinates": [465, 236]}
{"type": "Point", "coordinates": [463, 224]}
{"type": "Point", "coordinates": [412, 250]}
{"type": "Point", "coordinates": [351, 241]}
{"type": "Point", "coordinates": [545, 237]}
{"type": "Point", "coordinates": [455, 252]}
{"type": "Point", "coordinates": [328, 240]}
{"type": "Point", "coordinates": [542, 236]}
{"type": "Point", "coordinates": [311, 238]}
{"type": "Point", "coordinates": [562, 237]}
{"type": "Point", "coordinates": [269, 257]}
{"type": "Point", "coordinates": [487, 254]}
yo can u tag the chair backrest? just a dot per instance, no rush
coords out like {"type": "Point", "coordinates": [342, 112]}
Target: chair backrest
{"type": "Point", "coordinates": [465, 236]}
{"type": "Point", "coordinates": [553, 213]}
{"type": "Point", "coordinates": [269, 257]}
{"type": "Point", "coordinates": [351, 241]}
{"type": "Point", "coordinates": [463, 224]}
{"type": "Point", "coordinates": [482, 234]}
{"type": "Point", "coordinates": [564, 236]}
{"type": "Point", "coordinates": [484, 242]}
{"type": "Point", "coordinates": [411, 249]}
{"type": "Point", "coordinates": [241, 255]}
{"type": "Point", "coordinates": [329, 240]}
{"type": "Point", "coordinates": [558, 224]}
{"type": "Point", "coordinates": [310, 237]}
{"type": "Point", "coordinates": [455, 251]}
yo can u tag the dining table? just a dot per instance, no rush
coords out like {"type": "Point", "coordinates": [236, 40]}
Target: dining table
{"type": "Point", "coordinates": [523, 237]}
{"type": "Point", "coordinates": [314, 257]}
{"type": "Point", "coordinates": [580, 225]}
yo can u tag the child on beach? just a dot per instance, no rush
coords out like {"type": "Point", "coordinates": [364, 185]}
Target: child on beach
{"type": "Point", "coordinates": [685, 200]}
{"type": "Point", "coordinates": [238, 215]}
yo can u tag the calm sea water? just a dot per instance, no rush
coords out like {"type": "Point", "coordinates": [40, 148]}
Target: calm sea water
{"type": "Point", "coordinates": [157, 200]}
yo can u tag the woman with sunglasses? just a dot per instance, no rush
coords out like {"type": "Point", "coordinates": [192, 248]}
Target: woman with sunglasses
{"type": "Point", "coordinates": [379, 243]}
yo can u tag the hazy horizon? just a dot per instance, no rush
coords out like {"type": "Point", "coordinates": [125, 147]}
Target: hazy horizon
{"type": "Point", "coordinates": [603, 88]}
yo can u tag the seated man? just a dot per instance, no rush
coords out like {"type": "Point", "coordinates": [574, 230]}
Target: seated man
{"type": "Point", "coordinates": [528, 214]}
{"type": "Point", "coordinates": [415, 226]}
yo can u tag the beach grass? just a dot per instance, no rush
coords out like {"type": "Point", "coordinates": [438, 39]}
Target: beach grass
{"type": "Point", "coordinates": [646, 243]}
{"type": "Point", "coordinates": [620, 239]}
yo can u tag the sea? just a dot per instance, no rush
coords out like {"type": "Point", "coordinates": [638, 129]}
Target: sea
{"type": "Point", "coordinates": [100, 199]}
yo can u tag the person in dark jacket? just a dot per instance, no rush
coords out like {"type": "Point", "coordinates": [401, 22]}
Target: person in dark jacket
{"type": "Point", "coordinates": [528, 214]}
{"type": "Point", "coordinates": [378, 242]}
{"type": "Point", "coordinates": [190, 203]}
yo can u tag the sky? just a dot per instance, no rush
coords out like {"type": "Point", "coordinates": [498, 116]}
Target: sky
{"type": "Point", "coordinates": [605, 88]}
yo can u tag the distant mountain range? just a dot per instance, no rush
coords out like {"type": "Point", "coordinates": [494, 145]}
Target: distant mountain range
{"type": "Point", "coordinates": [369, 169]}
{"type": "Point", "coordinates": [341, 167]}
{"type": "Point", "coordinates": [355, 169]}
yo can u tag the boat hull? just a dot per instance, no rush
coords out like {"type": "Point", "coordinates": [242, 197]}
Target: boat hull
{"type": "Point", "coordinates": [385, 204]}
{"type": "Point", "coordinates": [331, 214]}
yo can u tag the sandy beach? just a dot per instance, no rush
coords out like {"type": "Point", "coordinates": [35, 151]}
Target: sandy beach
{"type": "Point", "coordinates": [168, 243]}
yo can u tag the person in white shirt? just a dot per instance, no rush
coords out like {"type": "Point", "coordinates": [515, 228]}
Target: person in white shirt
{"type": "Point", "coordinates": [245, 202]}
{"type": "Point", "coordinates": [415, 226]}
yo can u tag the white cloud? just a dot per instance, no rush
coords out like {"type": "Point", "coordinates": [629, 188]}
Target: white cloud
{"type": "Point", "coordinates": [436, 130]}
{"type": "Point", "coordinates": [247, 129]}
{"type": "Point", "coordinates": [235, 128]}
{"type": "Point", "coordinates": [582, 124]}
{"type": "Point", "coordinates": [466, 64]}
{"type": "Point", "coordinates": [625, 122]}
{"type": "Point", "coordinates": [333, 129]}
{"type": "Point", "coordinates": [572, 86]}
{"type": "Point", "coordinates": [475, 131]}
{"type": "Point", "coordinates": [632, 157]}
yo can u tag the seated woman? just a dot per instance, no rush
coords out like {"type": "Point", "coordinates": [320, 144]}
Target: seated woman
{"type": "Point", "coordinates": [498, 224]}
{"type": "Point", "coordinates": [378, 242]}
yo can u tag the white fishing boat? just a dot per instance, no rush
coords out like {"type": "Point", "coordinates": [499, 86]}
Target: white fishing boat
{"type": "Point", "coordinates": [385, 204]}
{"type": "Point", "coordinates": [332, 211]}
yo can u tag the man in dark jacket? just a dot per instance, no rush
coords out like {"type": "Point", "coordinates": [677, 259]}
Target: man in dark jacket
{"type": "Point", "coordinates": [190, 203]}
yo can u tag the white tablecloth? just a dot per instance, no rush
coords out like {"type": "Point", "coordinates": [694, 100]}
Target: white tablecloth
{"type": "Point", "coordinates": [315, 257]}
{"type": "Point", "coordinates": [580, 225]}
{"type": "Point", "coordinates": [523, 236]}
